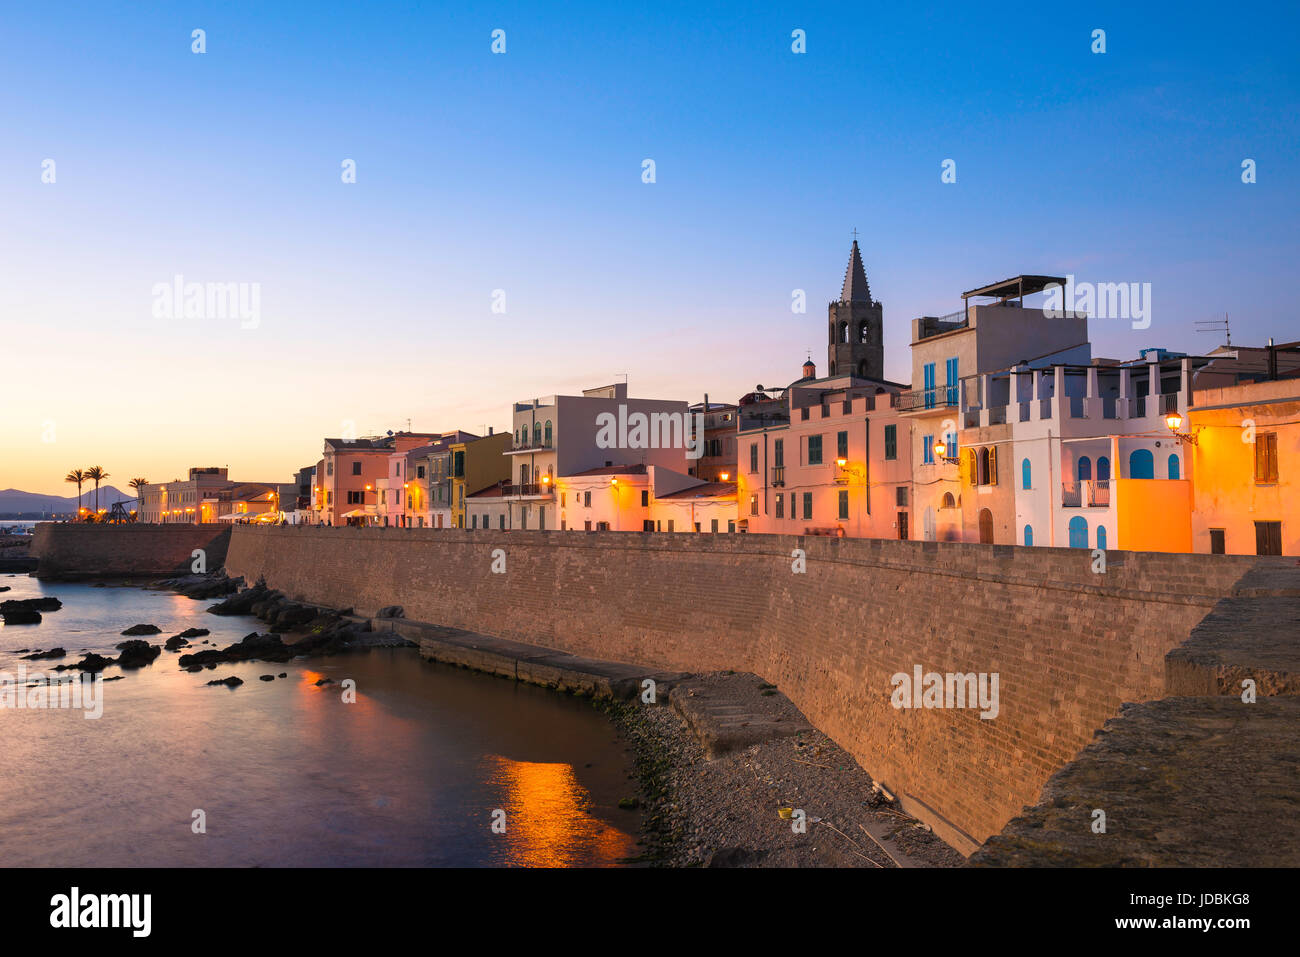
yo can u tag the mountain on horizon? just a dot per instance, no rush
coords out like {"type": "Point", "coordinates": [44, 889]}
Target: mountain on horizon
{"type": "Point", "coordinates": [17, 502]}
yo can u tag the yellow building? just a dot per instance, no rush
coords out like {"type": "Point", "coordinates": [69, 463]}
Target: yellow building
{"type": "Point", "coordinates": [475, 465]}
{"type": "Point", "coordinates": [1245, 463]}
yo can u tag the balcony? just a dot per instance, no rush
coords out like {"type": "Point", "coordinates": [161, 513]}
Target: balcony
{"type": "Point", "coordinates": [526, 447]}
{"type": "Point", "coordinates": [928, 400]}
{"type": "Point", "coordinates": [1086, 493]}
{"type": "Point", "coordinates": [529, 490]}
{"type": "Point", "coordinates": [778, 476]}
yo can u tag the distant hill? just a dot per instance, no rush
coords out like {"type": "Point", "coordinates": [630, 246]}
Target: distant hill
{"type": "Point", "coordinates": [14, 502]}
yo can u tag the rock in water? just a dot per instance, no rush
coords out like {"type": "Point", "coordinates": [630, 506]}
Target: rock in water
{"type": "Point", "coordinates": [21, 616]}
{"type": "Point", "coordinates": [231, 682]}
{"type": "Point", "coordinates": [142, 630]}
{"type": "Point", "coordinates": [31, 604]}
{"type": "Point", "coordinates": [137, 653]}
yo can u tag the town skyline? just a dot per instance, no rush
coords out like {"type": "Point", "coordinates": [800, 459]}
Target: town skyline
{"type": "Point", "coordinates": [496, 180]}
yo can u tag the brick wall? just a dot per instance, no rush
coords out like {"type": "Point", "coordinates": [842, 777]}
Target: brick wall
{"type": "Point", "coordinates": [1069, 645]}
{"type": "Point", "coordinates": [66, 550]}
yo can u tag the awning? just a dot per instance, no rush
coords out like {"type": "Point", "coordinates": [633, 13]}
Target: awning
{"type": "Point", "coordinates": [368, 512]}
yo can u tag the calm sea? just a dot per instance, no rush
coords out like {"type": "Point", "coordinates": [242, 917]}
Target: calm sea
{"type": "Point", "coordinates": [284, 771]}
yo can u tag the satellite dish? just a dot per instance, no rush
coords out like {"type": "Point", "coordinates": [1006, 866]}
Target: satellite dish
{"type": "Point", "coordinates": [759, 388]}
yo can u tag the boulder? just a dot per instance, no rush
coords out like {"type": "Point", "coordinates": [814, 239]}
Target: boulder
{"type": "Point", "coordinates": [231, 682]}
{"type": "Point", "coordinates": [40, 655]}
{"type": "Point", "coordinates": [21, 616]}
{"type": "Point", "coordinates": [142, 630]}
{"type": "Point", "coordinates": [137, 654]}
{"type": "Point", "coordinates": [48, 603]}
{"type": "Point", "coordinates": [175, 643]}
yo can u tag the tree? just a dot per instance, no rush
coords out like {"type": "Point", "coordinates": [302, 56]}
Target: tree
{"type": "Point", "coordinates": [96, 474]}
{"type": "Point", "coordinates": [77, 476]}
{"type": "Point", "coordinates": [138, 484]}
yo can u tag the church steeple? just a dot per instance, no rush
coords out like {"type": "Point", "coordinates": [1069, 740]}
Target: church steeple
{"type": "Point", "coordinates": [855, 279]}
{"type": "Point", "coordinates": [856, 336]}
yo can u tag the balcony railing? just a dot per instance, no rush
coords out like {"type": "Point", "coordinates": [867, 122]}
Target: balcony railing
{"type": "Point", "coordinates": [940, 397]}
{"type": "Point", "coordinates": [545, 445]}
{"type": "Point", "coordinates": [517, 490]}
{"type": "Point", "coordinates": [778, 476]}
{"type": "Point", "coordinates": [1092, 493]}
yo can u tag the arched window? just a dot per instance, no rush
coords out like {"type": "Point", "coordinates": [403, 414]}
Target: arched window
{"type": "Point", "coordinates": [1141, 464]}
{"type": "Point", "coordinates": [1085, 468]}
{"type": "Point", "coordinates": [1026, 477]}
{"type": "Point", "coordinates": [982, 472]}
{"type": "Point", "coordinates": [862, 332]}
{"type": "Point", "coordinates": [1078, 532]}
{"type": "Point", "coordinates": [1029, 535]}
{"type": "Point", "coordinates": [986, 527]}
{"type": "Point", "coordinates": [548, 433]}
{"type": "Point", "coordinates": [948, 501]}
{"type": "Point", "coordinates": [1101, 537]}
{"type": "Point", "coordinates": [537, 433]}
{"type": "Point", "coordinates": [1174, 471]}
{"type": "Point", "coordinates": [844, 332]}
{"type": "Point", "coordinates": [1103, 469]}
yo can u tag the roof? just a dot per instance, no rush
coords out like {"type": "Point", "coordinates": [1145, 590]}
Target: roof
{"type": "Point", "coordinates": [1016, 287]}
{"type": "Point", "coordinates": [492, 491]}
{"type": "Point", "coordinates": [855, 279]}
{"type": "Point", "coordinates": [612, 470]}
{"type": "Point", "coordinates": [706, 490]}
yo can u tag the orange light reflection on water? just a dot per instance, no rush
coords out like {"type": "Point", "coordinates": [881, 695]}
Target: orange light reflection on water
{"type": "Point", "coordinates": [548, 820]}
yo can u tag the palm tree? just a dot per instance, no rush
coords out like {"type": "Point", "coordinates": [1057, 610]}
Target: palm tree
{"type": "Point", "coordinates": [96, 474]}
{"type": "Point", "coordinates": [77, 476]}
{"type": "Point", "coordinates": [138, 484]}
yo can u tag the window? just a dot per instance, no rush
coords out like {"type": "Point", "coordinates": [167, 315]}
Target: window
{"type": "Point", "coordinates": [842, 445]}
{"type": "Point", "coordinates": [844, 503]}
{"type": "Point", "coordinates": [1101, 537]}
{"type": "Point", "coordinates": [950, 370]}
{"type": "Point", "coordinates": [753, 505]}
{"type": "Point", "coordinates": [731, 525]}
{"type": "Point", "coordinates": [1029, 535]}
{"type": "Point", "coordinates": [671, 523]}
{"type": "Point", "coordinates": [927, 372]}
{"type": "Point", "coordinates": [714, 527]}
{"type": "Point", "coordinates": [329, 467]}
{"type": "Point", "coordinates": [814, 450]}
{"type": "Point", "coordinates": [780, 505]}
{"type": "Point", "coordinates": [1026, 475]}
{"type": "Point", "coordinates": [458, 464]}
{"type": "Point", "coordinates": [803, 414]}
{"type": "Point", "coordinates": [537, 433]}
{"type": "Point", "coordinates": [986, 469]}
{"type": "Point", "coordinates": [778, 453]}
{"type": "Point", "coordinates": [1084, 468]}
{"type": "Point", "coordinates": [473, 521]}
{"type": "Point", "coordinates": [563, 498]}
{"type": "Point", "coordinates": [1265, 461]}
{"type": "Point", "coordinates": [807, 505]}
{"type": "Point", "coordinates": [647, 525]}
{"type": "Point", "coordinates": [1268, 536]}
{"type": "Point", "coordinates": [419, 471]}
{"type": "Point", "coordinates": [891, 442]}
{"type": "Point", "coordinates": [948, 501]}
{"type": "Point", "coordinates": [753, 456]}
{"type": "Point", "coordinates": [502, 519]}
{"type": "Point", "coordinates": [927, 450]}
{"type": "Point", "coordinates": [356, 468]}
{"type": "Point", "coordinates": [586, 499]}
{"type": "Point", "coordinates": [900, 495]}
{"type": "Point", "coordinates": [1216, 542]}
{"type": "Point", "coordinates": [548, 433]}
{"type": "Point", "coordinates": [645, 497]}
{"type": "Point", "coordinates": [1174, 468]}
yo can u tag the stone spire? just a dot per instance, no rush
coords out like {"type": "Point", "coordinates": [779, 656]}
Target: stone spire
{"type": "Point", "coordinates": [855, 279]}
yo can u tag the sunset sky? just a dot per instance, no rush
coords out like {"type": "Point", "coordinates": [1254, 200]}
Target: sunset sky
{"type": "Point", "coordinates": [522, 172]}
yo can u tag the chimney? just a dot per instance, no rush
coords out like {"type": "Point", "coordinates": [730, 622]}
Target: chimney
{"type": "Point", "coordinates": [489, 430]}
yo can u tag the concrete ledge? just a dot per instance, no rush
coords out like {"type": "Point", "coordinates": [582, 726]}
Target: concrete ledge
{"type": "Point", "coordinates": [1184, 782]}
{"type": "Point", "coordinates": [523, 662]}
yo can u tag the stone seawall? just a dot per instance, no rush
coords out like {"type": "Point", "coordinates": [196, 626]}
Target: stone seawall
{"type": "Point", "coordinates": [1069, 645]}
{"type": "Point", "coordinates": [73, 551]}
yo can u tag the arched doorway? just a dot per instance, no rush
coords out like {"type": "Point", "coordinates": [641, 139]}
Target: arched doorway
{"type": "Point", "coordinates": [1085, 468]}
{"type": "Point", "coordinates": [1078, 532]}
{"type": "Point", "coordinates": [1141, 464]}
{"type": "Point", "coordinates": [1174, 469]}
{"type": "Point", "coordinates": [986, 527]}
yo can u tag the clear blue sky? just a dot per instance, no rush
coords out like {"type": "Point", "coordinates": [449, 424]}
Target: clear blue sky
{"type": "Point", "coordinates": [522, 172]}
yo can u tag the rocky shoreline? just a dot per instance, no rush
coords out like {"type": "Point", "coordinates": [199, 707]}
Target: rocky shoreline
{"type": "Point", "coordinates": [738, 808]}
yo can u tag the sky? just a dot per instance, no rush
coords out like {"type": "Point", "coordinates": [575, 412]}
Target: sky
{"type": "Point", "coordinates": [514, 181]}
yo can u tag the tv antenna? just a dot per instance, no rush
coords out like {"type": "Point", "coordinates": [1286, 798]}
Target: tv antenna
{"type": "Point", "coordinates": [1216, 325]}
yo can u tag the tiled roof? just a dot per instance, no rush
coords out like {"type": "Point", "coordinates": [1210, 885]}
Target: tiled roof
{"type": "Point", "coordinates": [707, 490]}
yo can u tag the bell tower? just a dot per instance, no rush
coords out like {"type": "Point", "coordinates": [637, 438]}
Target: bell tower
{"type": "Point", "coordinates": [855, 324]}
